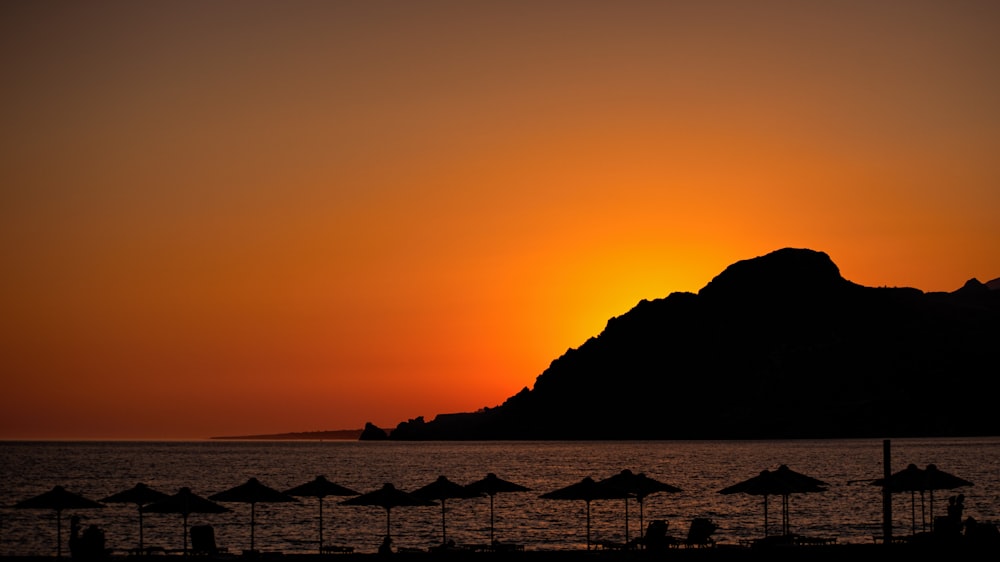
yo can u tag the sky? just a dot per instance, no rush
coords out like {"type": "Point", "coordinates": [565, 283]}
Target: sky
{"type": "Point", "coordinates": [231, 218]}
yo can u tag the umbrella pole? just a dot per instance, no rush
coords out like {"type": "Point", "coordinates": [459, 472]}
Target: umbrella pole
{"type": "Point", "coordinates": [765, 515]}
{"type": "Point", "coordinates": [140, 529]}
{"type": "Point", "coordinates": [388, 515]}
{"type": "Point", "coordinates": [321, 525]}
{"type": "Point", "coordinates": [58, 533]}
{"type": "Point", "coordinates": [588, 525]}
{"type": "Point", "coordinates": [784, 523]}
{"type": "Point", "coordinates": [788, 516]}
{"type": "Point", "coordinates": [253, 523]}
{"type": "Point", "coordinates": [784, 515]}
{"type": "Point", "coordinates": [913, 512]}
{"type": "Point", "coordinates": [491, 519]}
{"type": "Point", "coordinates": [932, 510]}
{"type": "Point", "coordinates": [923, 513]}
{"type": "Point", "coordinates": [185, 529]}
{"type": "Point", "coordinates": [444, 535]}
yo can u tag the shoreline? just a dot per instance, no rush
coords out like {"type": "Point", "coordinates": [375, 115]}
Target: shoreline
{"type": "Point", "coordinates": [962, 550]}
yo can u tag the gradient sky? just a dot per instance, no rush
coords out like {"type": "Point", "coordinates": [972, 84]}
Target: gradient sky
{"type": "Point", "coordinates": [249, 217]}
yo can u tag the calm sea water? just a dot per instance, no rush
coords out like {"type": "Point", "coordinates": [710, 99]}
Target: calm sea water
{"type": "Point", "coordinates": [848, 510]}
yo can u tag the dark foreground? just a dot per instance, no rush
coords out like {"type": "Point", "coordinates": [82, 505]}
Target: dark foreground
{"type": "Point", "coordinates": [718, 553]}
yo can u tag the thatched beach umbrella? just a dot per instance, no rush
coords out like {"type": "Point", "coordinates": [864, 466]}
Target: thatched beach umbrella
{"type": "Point", "coordinates": [781, 482]}
{"type": "Point", "coordinates": [587, 490]}
{"type": "Point", "coordinates": [252, 492]}
{"type": "Point", "coordinates": [443, 489]}
{"type": "Point", "coordinates": [58, 499]}
{"type": "Point", "coordinates": [492, 485]}
{"type": "Point", "coordinates": [387, 497]}
{"type": "Point", "coordinates": [638, 486]}
{"type": "Point", "coordinates": [140, 495]}
{"type": "Point", "coordinates": [320, 488]}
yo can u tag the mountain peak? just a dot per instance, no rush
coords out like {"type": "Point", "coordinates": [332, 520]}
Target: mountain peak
{"type": "Point", "coordinates": [785, 271]}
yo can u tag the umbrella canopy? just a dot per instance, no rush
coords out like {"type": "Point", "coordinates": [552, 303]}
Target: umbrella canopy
{"type": "Point", "coordinates": [781, 482]}
{"type": "Point", "coordinates": [587, 490]}
{"type": "Point", "coordinates": [320, 488]}
{"type": "Point", "coordinates": [387, 497]}
{"type": "Point", "coordinates": [798, 482]}
{"type": "Point", "coordinates": [140, 495]}
{"type": "Point", "coordinates": [638, 486]}
{"type": "Point", "coordinates": [910, 479]}
{"type": "Point", "coordinates": [442, 490]}
{"type": "Point", "coordinates": [252, 492]}
{"type": "Point", "coordinates": [492, 485]}
{"type": "Point", "coordinates": [58, 499]}
{"type": "Point", "coordinates": [185, 502]}
{"type": "Point", "coordinates": [937, 479]}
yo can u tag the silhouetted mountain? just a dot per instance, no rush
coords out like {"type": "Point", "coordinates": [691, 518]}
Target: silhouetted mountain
{"type": "Point", "coordinates": [779, 346]}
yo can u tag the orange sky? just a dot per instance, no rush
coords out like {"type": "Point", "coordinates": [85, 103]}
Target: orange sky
{"type": "Point", "coordinates": [255, 217]}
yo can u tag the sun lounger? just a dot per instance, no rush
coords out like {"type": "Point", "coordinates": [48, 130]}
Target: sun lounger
{"type": "Point", "coordinates": [700, 533]}
{"type": "Point", "coordinates": [203, 541]}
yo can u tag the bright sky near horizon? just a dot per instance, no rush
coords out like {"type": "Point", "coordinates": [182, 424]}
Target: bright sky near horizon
{"type": "Point", "coordinates": [255, 217]}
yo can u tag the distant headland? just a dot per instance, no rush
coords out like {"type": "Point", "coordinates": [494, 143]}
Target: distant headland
{"type": "Point", "coordinates": [330, 435]}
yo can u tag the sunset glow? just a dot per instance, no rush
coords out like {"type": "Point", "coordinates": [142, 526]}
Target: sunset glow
{"type": "Point", "coordinates": [253, 217]}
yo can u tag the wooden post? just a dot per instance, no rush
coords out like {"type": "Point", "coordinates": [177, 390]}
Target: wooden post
{"type": "Point", "coordinates": [886, 492]}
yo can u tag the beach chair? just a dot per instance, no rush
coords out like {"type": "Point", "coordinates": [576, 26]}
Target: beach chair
{"type": "Point", "coordinates": [700, 533]}
{"type": "Point", "coordinates": [656, 537]}
{"type": "Point", "coordinates": [203, 541]}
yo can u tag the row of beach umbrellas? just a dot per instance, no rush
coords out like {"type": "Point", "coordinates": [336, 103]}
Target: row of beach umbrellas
{"type": "Point", "coordinates": [625, 485]}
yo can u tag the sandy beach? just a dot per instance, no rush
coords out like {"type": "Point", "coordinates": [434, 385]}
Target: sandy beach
{"type": "Point", "coordinates": [718, 553]}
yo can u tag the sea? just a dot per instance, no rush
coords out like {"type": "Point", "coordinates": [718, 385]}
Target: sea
{"type": "Point", "coordinates": [849, 509]}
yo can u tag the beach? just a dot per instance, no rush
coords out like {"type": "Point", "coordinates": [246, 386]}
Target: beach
{"type": "Point", "coordinates": [718, 553]}
{"type": "Point", "coordinates": [772, 549]}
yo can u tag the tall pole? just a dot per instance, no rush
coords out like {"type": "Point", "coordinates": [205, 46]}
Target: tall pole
{"type": "Point", "coordinates": [886, 492]}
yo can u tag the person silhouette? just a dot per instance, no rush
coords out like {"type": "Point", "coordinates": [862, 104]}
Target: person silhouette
{"type": "Point", "coordinates": [92, 541]}
{"type": "Point", "coordinates": [951, 524]}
